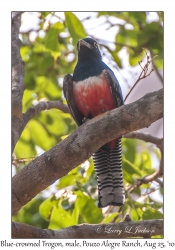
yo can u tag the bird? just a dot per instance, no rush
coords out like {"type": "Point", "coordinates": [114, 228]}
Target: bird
{"type": "Point", "coordinates": [94, 90]}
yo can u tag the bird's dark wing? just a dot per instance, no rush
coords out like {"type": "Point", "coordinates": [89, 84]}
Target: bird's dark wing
{"type": "Point", "coordinates": [68, 93]}
{"type": "Point", "coordinates": [115, 87]}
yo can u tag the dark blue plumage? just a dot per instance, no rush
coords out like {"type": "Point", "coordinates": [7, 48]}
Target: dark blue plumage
{"type": "Point", "coordinates": [87, 69]}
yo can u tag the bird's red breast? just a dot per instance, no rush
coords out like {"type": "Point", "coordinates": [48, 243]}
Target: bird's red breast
{"type": "Point", "coordinates": [93, 97]}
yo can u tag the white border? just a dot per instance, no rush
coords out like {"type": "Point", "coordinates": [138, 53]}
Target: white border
{"type": "Point", "coordinates": [5, 96]}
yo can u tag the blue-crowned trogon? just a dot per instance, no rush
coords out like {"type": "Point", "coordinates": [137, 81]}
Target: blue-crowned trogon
{"type": "Point", "coordinates": [93, 91]}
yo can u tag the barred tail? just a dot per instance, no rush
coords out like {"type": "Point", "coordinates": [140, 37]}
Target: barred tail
{"type": "Point", "coordinates": [108, 168]}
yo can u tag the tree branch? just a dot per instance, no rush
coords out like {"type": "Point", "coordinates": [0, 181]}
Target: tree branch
{"type": "Point", "coordinates": [14, 18]}
{"type": "Point", "coordinates": [144, 137]}
{"type": "Point", "coordinates": [81, 144]}
{"type": "Point", "coordinates": [32, 111]}
{"type": "Point", "coordinates": [17, 80]}
{"type": "Point", "coordinates": [126, 229]}
{"type": "Point", "coordinates": [146, 179]}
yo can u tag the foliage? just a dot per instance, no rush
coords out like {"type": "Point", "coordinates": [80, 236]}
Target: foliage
{"type": "Point", "coordinates": [136, 33]}
{"type": "Point", "coordinates": [47, 59]}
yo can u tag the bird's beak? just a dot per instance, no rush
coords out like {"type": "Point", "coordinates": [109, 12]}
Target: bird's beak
{"type": "Point", "coordinates": [83, 43]}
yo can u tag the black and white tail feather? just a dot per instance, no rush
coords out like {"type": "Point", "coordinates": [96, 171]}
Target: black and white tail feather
{"type": "Point", "coordinates": [108, 168]}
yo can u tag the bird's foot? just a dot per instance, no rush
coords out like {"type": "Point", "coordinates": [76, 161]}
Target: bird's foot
{"type": "Point", "coordinates": [85, 120]}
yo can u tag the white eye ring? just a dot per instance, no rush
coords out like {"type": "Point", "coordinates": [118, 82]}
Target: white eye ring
{"type": "Point", "coordinates": [95, 45]}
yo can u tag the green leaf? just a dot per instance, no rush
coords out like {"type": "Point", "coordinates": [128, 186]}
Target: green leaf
{"type": "Point", "coordinates": [129, 149]}
{"type": "Point", "coordinates": [40, 136]}
{"type": "Point", "coordinates": [127, 177]}
{"type": "Point", "coordinates": [76, 212]}
{"type": "Point", "coordinates": [137, 16]}
{"type": "Point", "coordinates": [25, 147]}
{"type": "Point", "coordinates": [25, 52]}
{"type": "Point", "coordinates": [27, 100]}
{"type": "Point", "coordinates": [134, 215]}
{"type": "Point", "coordinates": [29, 80]}
{"type": "Point", "coordinates": [161, 16]}
{"type": "Point", "coordinates": [29, 214]}
{"type": "Point", "coordinates": [147, 162]}
{"type": "Point", "coordinates": [39, 47]}
{"type": "Point", "coordinates": [56, 125]}
{"type": "Point", "coordinates": [48, 87]}
{"type": "Point", "coordinates": [44, 14]}
{"type": "Point", "coordinates": [66, 204]}
{"type": "Point", "coordinates": [156, 205]}
{"type": "Point", "coordinates": [68, 180]}
{"type": "Point", "coordinates": [60, 218]}
{"type": "Point", "coordinates": [47, 206]}
{"type": "Point", "coordinates": [117, 59]}
{"type": "Point", "coordinates": [157, 237]}
{"type": "Point", "coordinates": [138, 160]}
{"type": "Point", "coordinates": [132, 39]}
{"type": "Point", "coordinates": [86, 205]}
{"type": "Point", "coordinates": [135, 58]}
{"type": "Point", "coordinates": [155, 27]}
{"type": "Point", "coordinates": [118, 14]}
{"type": "Point", "coordinates": [139, 213]}
{"type": "Point", "coordinates": [110, 217]}
{"type": "Point", "coordinates": [162, 191]}
{"type": "Point", "coordinates": [47, 62]}
{"type": "Point", "coordinates": [51, 40]}
{"type": "Point", "coordinates": [130, 168]}
{"type": "Point", "coordinates": [151, 214]}
{"type": "Point", "coordinates": [159, 63]}
{"type": "Point", "coordinates": [75, 27]}
{"type": "Point", "coordinates": [121, 36]}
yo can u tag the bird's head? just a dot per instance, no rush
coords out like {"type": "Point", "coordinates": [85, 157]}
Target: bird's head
{"type": "Point", "coordinates": [88, 49]}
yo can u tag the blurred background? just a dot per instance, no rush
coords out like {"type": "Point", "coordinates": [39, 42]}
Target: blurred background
{"type": "Point", "coordinates": [49, 51]}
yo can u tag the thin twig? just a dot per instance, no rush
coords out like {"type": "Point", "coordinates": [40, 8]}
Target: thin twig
{"type": "Point", "coordinates": [144, 72]}
{"type": "Point", "coordinates": [144, 137]}
{"type": "Point", "coordinates": [86, 18]}
{"type": "Point", "coordinates": [32, 111]}
{"type": "Point", "coordinates": [23, 160]}
{"type": "Point", "coordinates": [145, 180]}
{"type": "Point", "coordinates": [147, 194]}
{"type": "Point", "coordinates": [116, 217]}
{"type": "Point", "coordinates": [152, 190]}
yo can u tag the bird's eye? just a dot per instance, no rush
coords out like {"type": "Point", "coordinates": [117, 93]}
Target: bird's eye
{"type": "Point", "coordinates": [95, 45]}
